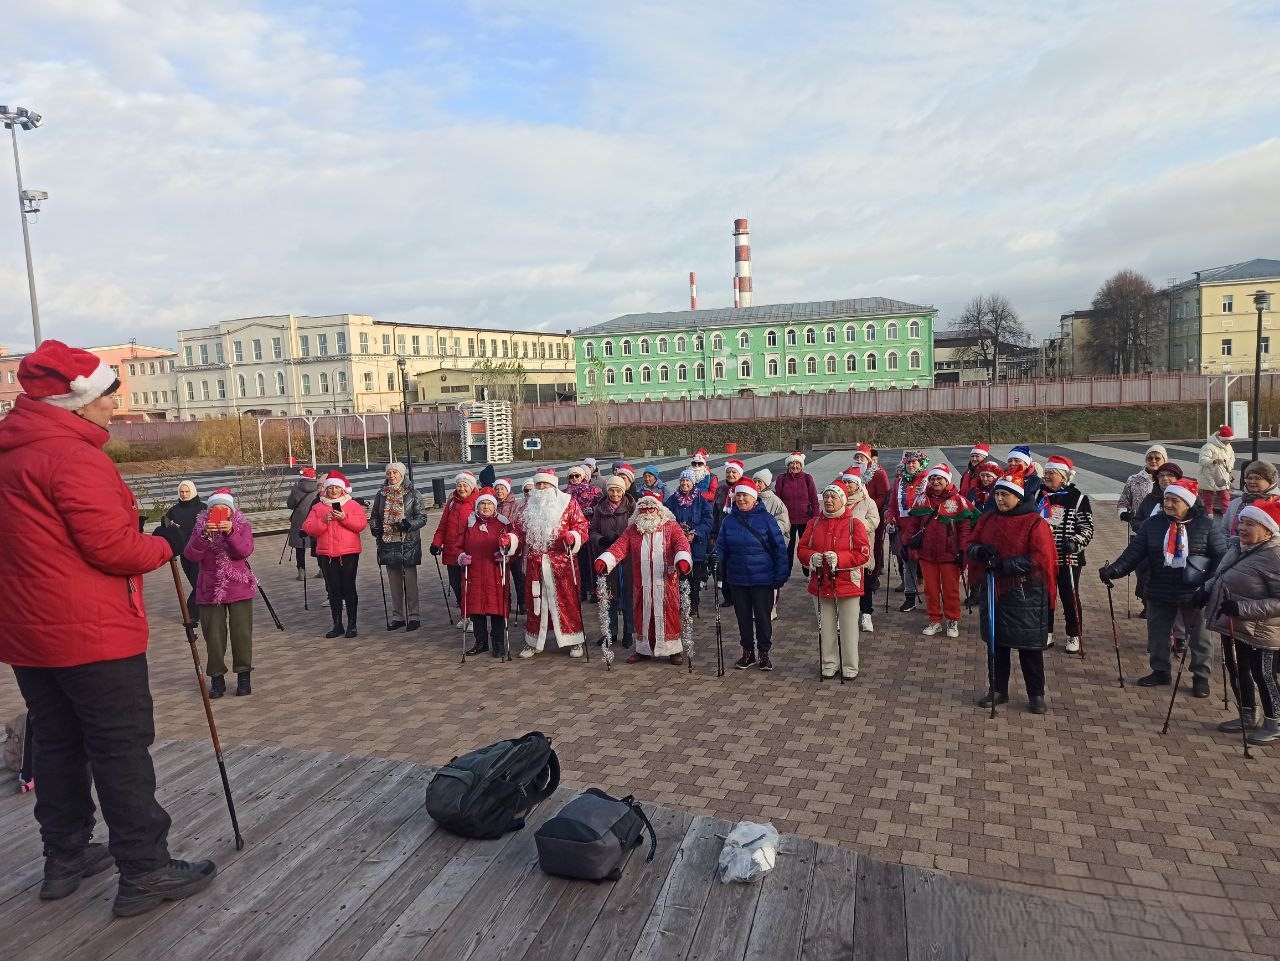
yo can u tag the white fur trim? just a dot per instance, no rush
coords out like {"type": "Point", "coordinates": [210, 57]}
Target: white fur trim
{"type": "Point", "coordinates": [684, 556]}
{"type": "Point", "coordinates": [610, 562]}
{"type": "Point", "coordinates": [84, 390]}
{"type": "Point", "coordinates": [577, 541]}
{"type": "Point", "coordinates": [545, 477]}
{"type": "Point", "coordinates": [1177, 490]}
{"type": "Point", "coordinates": [744, 489]}
{"type": "Point", "coordinates": [515, 543]}
{"type": "Point", "coordinates": [1259, 516]}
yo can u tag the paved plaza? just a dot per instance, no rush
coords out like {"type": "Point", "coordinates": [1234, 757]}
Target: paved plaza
{"type": "Point", "coordinates": [1087, 804]}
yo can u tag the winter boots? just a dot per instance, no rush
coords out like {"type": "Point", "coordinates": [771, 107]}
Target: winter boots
{"type": "Point", "coordinates": [178, 879]}
{"type": "Point", "coordinates": [302, 575]}
{"type": "Point", "coordinates": [1037, 706]}
{"type": "Point", "coordinates": [217, 687]}
{"type": "Point", "coordinates": [477, 648]}
{"type": "Point", "coordinates": [1155, 679]}
{"type": "Point", "coordinates": [908, 603]}
{"type": "Point", "coordinates": [1200, 687]}
{"type": "Point", "coordinates": [61, 878]}
{"type": "Point", "coordinates": [243, 687]}
{"type": "Point", "coordinates": [1269, 731]}
{"type": "Point", "coordinates": [985, 701]}
{"type": "Point", "coordinates": [1232, 726]}
{"type": "Point", "coordinates": [337, 630]}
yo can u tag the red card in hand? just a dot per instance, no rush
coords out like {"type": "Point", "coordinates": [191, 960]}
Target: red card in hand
{"type": "Point", "coordinates": [219, 513]}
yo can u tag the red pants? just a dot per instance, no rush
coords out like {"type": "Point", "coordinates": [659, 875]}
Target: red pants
{"type": "Point", "coordinates": [1215, 502]}
{"type": "Point", "coordinates": [941, 590]}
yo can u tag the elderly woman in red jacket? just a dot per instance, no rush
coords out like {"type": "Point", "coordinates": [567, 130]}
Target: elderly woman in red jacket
{"type": "Point", "coordinates": [75, 631]}
{"type": "Point", "coordinates": [835, 548]}
{"type": "Point", "coordinates": [486, 599]}
{"type": "Point", "coordinates": [447, 542]}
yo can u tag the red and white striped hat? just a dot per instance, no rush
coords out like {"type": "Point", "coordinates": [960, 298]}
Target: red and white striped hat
{"type": "Point", "coordinates": [734, 464]}
{"type": "Point", "coordinates": [546, 475]}
{"type": "Point", "coordinates": [1266, 513]}
{"type": "Point", "coordinates": [746, 486]}
{"type": "Point", "coordinates": [1062, 465]}
{"type": "Point", "coordinates": [464, 477]}
{"type": "Point", "coordinates": [224, 497]}
{"type": "Point", "coordinates": [795, 456]}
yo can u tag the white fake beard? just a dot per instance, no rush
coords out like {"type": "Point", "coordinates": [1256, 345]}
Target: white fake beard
{"type": "Point", "coordinates": [541, 518]}
{"type": "Point", "coordinates": [699, 472]}
{"type": "Point", "coordinates": [648, 521]}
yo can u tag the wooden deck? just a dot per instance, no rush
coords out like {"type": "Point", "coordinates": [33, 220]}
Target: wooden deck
{"type": "Point", "coordinates": [342, 862]}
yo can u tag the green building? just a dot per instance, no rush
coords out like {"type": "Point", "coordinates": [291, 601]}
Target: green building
{"type": "Point", "coordinates": [870, 343]}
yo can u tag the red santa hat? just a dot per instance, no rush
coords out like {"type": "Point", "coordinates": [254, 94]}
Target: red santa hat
{"type": "Point", "coordinates": [700, 456]}
{"type": "Point", "coordinates": [486, 497]}
{"type": "Point", "coordinates": [649, 501]}
{"type": "Point", "coordinates": [546, 475]}
{"type": "Point", "coordinates": [990, 466]}
{"type": "Point", "coordinates": [1062, 465]}
{"type": "Point", "coordinates": [836, 489]}
{"type": "Point", "coordinates": [734, 464]}
{"type": "Point", "coordinates": [1225, 433]}
{"type": "Point", "coordinates": [1011, 480]}
{"type": "Point", "coordinates": [942, 470]}
{"type": "Point", "coordinates": [863, 450]}
{"type": "Point", "coordinates": [796, 457]}
{"type": "Point", "coordinates": [627, 471]}
{"type": "Point", "coordinates": [1186, 490]}
{"type": "Point", "coordinates": [337, 479]}
{"type": "Point", "coordinates": [852, 475]}
{"type": "Point", "coordinates": [983, 449]}
{"type": "Point", "coordinates": [222, 496]}
{"type": "Point", "coordinates": [309, 472]}
{"type": "Point", "coordinates": [1266, 513]}
{"type": "Point", "coordinates": [502, 482]}
{"type": "Point", "coordinates": [65, 377]}
{"type": "Point", "coordinates": [746, 486]}
{"type": "Point", "coordinates": [464, 477]}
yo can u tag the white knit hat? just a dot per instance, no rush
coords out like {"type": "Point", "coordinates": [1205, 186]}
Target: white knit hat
{"type": "Point", "coordinates": [222, 496]}
{"type": "Point", "coordinates": [464, 477]}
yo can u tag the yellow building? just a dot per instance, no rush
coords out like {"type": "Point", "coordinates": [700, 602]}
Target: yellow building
{"type": "Point", "coordinates": [455, 380]}
{"type": "Point", "coordinates": [1213, 320]}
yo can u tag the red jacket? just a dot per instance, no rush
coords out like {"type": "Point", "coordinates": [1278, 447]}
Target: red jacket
{"type": "Point", "coordinates": [878, 487]}
{"type": "Point", "coordinates": [74, 559]}
{"type": "Point", "coordinates": [848, 538]}
{"type": "Point", "coordinates": [902, 496]}
{"type": "Point", "coordinates": [484, 593]}
{"type": "Point", "coordinates": [453, 524]}
{"type": "Point", "coordinates": [947, 524]}
{"type": "Point", "coordinates": [336, 538]}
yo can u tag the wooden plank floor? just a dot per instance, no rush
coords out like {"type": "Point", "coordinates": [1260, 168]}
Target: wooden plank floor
{"type": "Point", "coordinates": [342, 862]}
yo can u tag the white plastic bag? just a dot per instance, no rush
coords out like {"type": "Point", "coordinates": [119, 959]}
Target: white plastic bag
{"type": "Point", "coordinates": [749, 851]}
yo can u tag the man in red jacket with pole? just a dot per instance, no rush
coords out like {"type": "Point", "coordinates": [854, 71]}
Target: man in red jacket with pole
{"type": "Point", "coordinates": [75, 632]}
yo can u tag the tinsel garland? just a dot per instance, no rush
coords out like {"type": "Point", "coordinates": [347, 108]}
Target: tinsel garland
{"type": "Point", "coordinates": [686, 621]}
{"type": "Point", "coordinates": [602, 607]}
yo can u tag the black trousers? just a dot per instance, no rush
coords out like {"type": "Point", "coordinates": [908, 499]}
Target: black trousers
{"type": "Point", "coordinates": [867, 602]}
{"type": "Point", "coordinates": [94, 727]}
{"type": "Point", "coordinates": [455, 582]}
{"type": "Point", "coordinates": [1252, 674]}
{"type": "Point", "coordinates": [192, 570]}
{"type": "Point", "coordinates": [515, 570]}
{"type": "Point", "coordinates": [491, 632]}
{"type": "Point", "coordinates": [796, 531]}
{"type": "Point", "coordinates": [1069, 600]}
{"type": "Point", "coordinates": [699, 575]}
{"type": "Point", "coordinates": [753, 607]}
{"type": "Point", "coordinates": [1032, 663]}
{"type": "Point", "coordinates": [340, 584]}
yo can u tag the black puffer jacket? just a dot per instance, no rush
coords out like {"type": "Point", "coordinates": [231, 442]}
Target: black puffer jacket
{"type": "Point", "coordinates": [1024, 576]}
{"type": "Point", "coordinates": [405, 553]}
{"type": "Point", "coordinates": [301, 499]}
{"type": "Point", "coordinates": [1172, 585]}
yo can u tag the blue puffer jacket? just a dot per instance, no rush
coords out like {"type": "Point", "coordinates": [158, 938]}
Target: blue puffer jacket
{"type": "Point", "coordinates": [697, 518]}
{"type": "Point", "coordinates": [752, 551]}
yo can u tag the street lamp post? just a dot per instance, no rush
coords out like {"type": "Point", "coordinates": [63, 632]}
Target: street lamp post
{"type": "Point", "coordinates": [28, 200]}
{"type": "Point", "coordinates": [404, 396]}
{"type": "Point", "coordinates": [1260, 299]}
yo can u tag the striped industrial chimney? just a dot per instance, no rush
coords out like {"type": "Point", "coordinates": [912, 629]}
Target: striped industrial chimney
{"type": "Point", "coordinates": [742, 262]}
{"type": "Point", "coordinates": [693, 291]}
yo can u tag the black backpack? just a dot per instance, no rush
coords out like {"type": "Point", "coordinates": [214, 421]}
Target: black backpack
{"type": "Point", "coordinates": [488, 792]}
{"type": "Point", "coordinates": [590, 836]}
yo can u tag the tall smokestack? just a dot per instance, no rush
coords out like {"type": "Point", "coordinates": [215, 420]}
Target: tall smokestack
{"type": "Point", "coordinates": [693, 291]}
{"type": "Point", "coordinates": [736, 301]}
{"type": "Point", "coordinates": [742, 261]}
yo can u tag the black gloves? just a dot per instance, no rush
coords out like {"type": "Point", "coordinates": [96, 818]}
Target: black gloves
{"type": "Point", "coordinates": [436, 550]}
{"type": "Point", "coordinates": [1105, 575]}
{"type": "Point", "coordinates": [1016, 565]}
{"type": "Point", "coordinates": [173, 537]}
{"type": "Point", "coordinates": [984, 554]}
{"type": "Point", "coordinates": [1070, 545]}
{"type": "Point", "coordinates": [713, 562]}
{"type": "Point", "coordinates": [1126, 516]}
{"type": "Point", "coordinates": [1200, 597]}
{"type": "Point", "coordinates": [402, 526]}
{"type": "Point", "coordinates": [971, 599]}
{"type": "Point", "coordinates": [1230, 607]}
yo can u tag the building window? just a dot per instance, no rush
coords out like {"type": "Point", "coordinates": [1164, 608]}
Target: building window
{"type": "Point", "coordinates": [1228, 303]}
{"type": "Point", "coordinates": [791, 337]}
{"type": "Point", "coordinates": [792, 367]}
{"type": "Point", "coordinates": [850, 364]}
{"type": "Point", "coordinates": [237, 350]}
{"type": "Point", "coordinates": [891, 360]}
{"type": "Point", "coordinates": [644, 345]}
{"type": "Point", "coordinates": [831, 363]}
{"type": "Point", "coordinates": [811, 365]}
{"type": "Point", "coordinates": [869, 363]}
{"type": "Point", "coordinates": [204, 354]}
{"type": "Point", "coordinates": [610, 378]}
{"type": "Point", "coordinates": [771, 338]}
{"type": "Point", "coordinates": [830, 335]}
{"type": "Point", "coordinates": [1266, 345]}
{"type": "Point", "coordinates": [217, 352]}
{"type": "Point", "coordinates": [744, 369]}
{"type": "Point", "coordinates": [368, 380]}
{"type": "Point", "coordinates": [261, 383]}
{"type": "Point", "coordinates": [913, 330]}
{"type": "Point", "coordinates": [506, 348]}
{"type": "Point", "coordinates": [589, 351]}
{"type": "Point", "coordinates": [324, 383]}
{"type": "Point", "coordinates": [280, 382]}
{"type": "Point", "coordinates": [700, 371]}
{"type": "Point", "coordinates": [400, 344]}
{"type": "Point", "coordinates": [626, 347]}
{"type": "Point", "coordinates": [322, 344]}
{"type": "Point", "coordinates": [717, 341]}
{"type": "Point", "coordinates": [1226, 346]}
{"type": "Point", "coordinates": [133, 372]}
{"type": "Point", "coordinates": [646, 375]}
{"type": "Point", "coordinates": [364, 342]}
{"type": "Point", "coordinates": [134, 397]}
{"type": "Point", "coordinates": [257, 348]}
{"type": "Point", "coordinates": [277, 348]}
{"type": "Point", "coordinates": [482, 348]}
{"type": "Point", "coordinates": [591, 378]}
{"type": "Point", "coordinates": [628, 375]}
{"type": "Point", "coordinates": [340, 339]}
{"type": "Point", "coordinates": [304, 345]}
{"type": "Point", "coordinates": [771, 368]}
{"type": "Point", "coordinates": [664, 374]}
{"type": "Point", "coordinates": [717, 370]}
{"type": "Point", "coordinates": [186, 353]}
{"type": "Point", "coordinates": [386, 345]}
{"type": "Point", "coordinates": [913, 360]}
{"type": "Point", "coordinates": [191, 391]}
{"type": "Point", "coordinates": [606, 348]}
{"type": "Point", "coordinates": [681, 344]}
{"type": "Point", "coordinates": [391, 381]}
{"type": "Point", "coordinates": [340, 378]}
{"type": "Point", "coordinates": [744, 340]}
{"type": "Point", "coordinates": [662, 345]}
{"type": "Point", "coordinates": [306, 384]}
{"type": "Point", "coordinates": [891, 331]}
{"type": "Point", "coordinates": [241, 387]}
{"type": "Point", "coordinates": [699, 343]}
{"type": "Point", "coordinates": [869, 333]}
{"type": "Point", "coordinates": [222, 389]}
{"type": "Point", "coordinates": [682, 373]}
{"type": "Point", "coordinates": [810, 336]}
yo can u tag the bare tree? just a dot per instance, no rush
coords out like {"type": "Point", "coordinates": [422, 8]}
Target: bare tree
{"type": "Point", "coordinates": [992, 327]}
{"type": "Point", "coordinates": [598, 398]}
{"type": "Point", "coordinates": [503, 380]}
{"type": "Point", "coordinates": [1125, 326]}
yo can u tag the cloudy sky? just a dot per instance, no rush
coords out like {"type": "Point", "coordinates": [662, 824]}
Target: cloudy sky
{"type": "Point", "coordinates": [553, 163]}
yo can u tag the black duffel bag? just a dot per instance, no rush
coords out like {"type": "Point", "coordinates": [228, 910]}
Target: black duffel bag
{"type": "Point", "coordinates": [489, 792]}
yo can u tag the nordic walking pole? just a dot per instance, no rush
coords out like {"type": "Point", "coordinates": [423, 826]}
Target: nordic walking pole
{"type": "Point", "coordinates": [386, 614]}
{"type": "Point", "coordinates": [577, 589]}
{"type": "Point", "coordinates": [462, 602]}
{"type": "Point", "coordinates": [443, 590]}
{"type": "Point", "coordinates": [817, 614]}
{"type": "Point", "coordinates": [266, 600]}
{"type": "Point", "coordinates": [715, 596]}
{"type": "Point", "coordinates": [835, 611]}
{"type": "Point", "coordinates": [506, 614]}
{"type": "Point", "coordinates": [190, 627]}
{"type": "Point", "coordinates": [283, 548]}
{"type": "Point", "coordinates": [1115, 637]}
{"type": "Point", "coordinates": [1074, 574]}
{"type": "Point", "coordinates": [1176, 681]}
{"type": "Point", "coordinates": [991, 638]}
{"type": "Point", "coordinates": [1231, 625]}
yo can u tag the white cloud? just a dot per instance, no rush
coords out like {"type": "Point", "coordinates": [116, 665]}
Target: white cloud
{"type": "Point", "coordinates": [213, 161]}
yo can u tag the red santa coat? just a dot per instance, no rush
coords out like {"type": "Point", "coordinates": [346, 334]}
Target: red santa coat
{"type": "Point", "coordinates": [844, 535]}
{"type": "Point", "coordinates": [655, 585]}
{"type": "Point", "coordinates": [551, 579]}
{"type": "Point", "coordinates": [482, 578]}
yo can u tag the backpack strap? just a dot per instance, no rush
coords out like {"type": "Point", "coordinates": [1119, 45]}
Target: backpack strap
{"type": "Point", "coordinates": [553, 781]}
{"type": "Point", "coordinates": [630, 802]}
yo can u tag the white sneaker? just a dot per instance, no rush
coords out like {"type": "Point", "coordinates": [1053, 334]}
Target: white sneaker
{"type": "Point", "coordinates": [1049, 641]}
{"type": "Point", "coordinates": [866, 625]}
{"type": "Point", "coordinates": [1073, 645]}
{"type": "Point", "coordinates": [934, 628]}
{"type": "Point", "coordinates": [529, 652]}
{"type": "Point", "coordinates": [773, 616]}
{"type": "Point", "coordinates": [462, 624]}
{"type": "Point", "coordinates": [953, 628]}
{"type": "Point", "coordinates": [575, 651]}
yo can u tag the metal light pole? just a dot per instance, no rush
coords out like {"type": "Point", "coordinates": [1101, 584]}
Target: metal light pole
{"type": "Point", "coordinates": [28, 200]}
{"type": "Point", "coordinates": [404, 396]}
{"type": "Point", "coordinates": [1260, 299]}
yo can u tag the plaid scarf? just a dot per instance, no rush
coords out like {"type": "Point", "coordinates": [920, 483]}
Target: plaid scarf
{"type": "Point", "coordinates": [392, 514]}
{"type": "Point", "coordinates": [1175, 545]}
